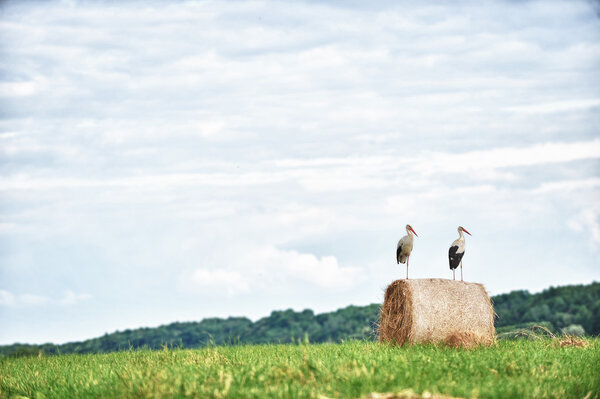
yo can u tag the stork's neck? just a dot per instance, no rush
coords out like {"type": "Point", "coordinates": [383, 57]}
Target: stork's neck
{"type": "Point", "coordinates": [409, 233]}
{"type": "Point", "coordinates": [462, 236]}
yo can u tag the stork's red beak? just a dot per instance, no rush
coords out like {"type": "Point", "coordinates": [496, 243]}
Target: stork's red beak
{"type": "Point", "coordinates": [465, 230]}
{"type": "Point", "coordinates": [414, 232]}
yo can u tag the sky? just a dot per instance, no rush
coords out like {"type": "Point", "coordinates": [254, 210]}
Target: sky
{"type": "Point", "coordinates": [171, 161]}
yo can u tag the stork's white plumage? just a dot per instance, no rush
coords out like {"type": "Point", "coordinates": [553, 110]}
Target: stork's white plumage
{"type": "Point", "coordinates": [405, 246]}
{"type": "Point", "coordinates": [457, 251]}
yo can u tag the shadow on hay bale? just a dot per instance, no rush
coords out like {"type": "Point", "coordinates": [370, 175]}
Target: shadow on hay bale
{"type": "Point", "coordinates": [433, 310]}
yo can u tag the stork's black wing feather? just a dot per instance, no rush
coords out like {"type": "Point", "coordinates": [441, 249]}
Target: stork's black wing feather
{"type": "Point", "coordinates": [398, 251]}
{"type": "Point", "coordinates": [453, 257]}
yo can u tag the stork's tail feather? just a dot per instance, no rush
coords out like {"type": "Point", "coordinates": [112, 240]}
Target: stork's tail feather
{"type": "Point", "coordinates": [454, 263]}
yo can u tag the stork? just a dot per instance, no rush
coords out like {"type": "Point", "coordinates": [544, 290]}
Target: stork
{"type": "Point", "coordinates": [405, 246]}
{"type": "Point", "coordinates": [456, 252]}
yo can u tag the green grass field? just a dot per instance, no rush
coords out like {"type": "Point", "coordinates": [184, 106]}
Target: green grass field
{"type": "Point", "coordinates": [510, 369]}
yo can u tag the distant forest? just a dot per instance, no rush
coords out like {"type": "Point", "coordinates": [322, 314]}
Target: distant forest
{"type": "Point", "coordinates": [574, 309]}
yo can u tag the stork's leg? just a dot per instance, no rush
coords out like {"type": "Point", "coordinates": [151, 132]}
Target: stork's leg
{"type": "Point", "coordinates": [407, 258]}
{"type": "Point", "coordinates": [453, 274]}
{"type": "Point", "coordinates": [461, 271]}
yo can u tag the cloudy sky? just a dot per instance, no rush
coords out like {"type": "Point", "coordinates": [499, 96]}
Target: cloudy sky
{"type": "Point", "coordinates": [170, 161]}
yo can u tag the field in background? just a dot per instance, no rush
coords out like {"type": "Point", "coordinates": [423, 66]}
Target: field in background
{"type": "Point", "coordinates": [572, 309]}
{"type": "Point", "coordinates": [511, 369]}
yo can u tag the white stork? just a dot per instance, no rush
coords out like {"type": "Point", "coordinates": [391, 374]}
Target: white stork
{"type": "Point", "coordinates": [456, 252]}
{"type": "Point", "coordinates": [405, 246]}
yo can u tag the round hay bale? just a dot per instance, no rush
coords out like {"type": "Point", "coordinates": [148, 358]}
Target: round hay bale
{"type": "Point", "coordinates": [436, 310]}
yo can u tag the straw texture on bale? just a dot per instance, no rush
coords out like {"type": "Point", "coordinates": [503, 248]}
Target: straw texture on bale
{"type": "Point", "coordinates": [438, 311]}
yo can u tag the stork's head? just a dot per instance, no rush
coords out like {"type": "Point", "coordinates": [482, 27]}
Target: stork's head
{"type": "Point", "coordinates": [460, 228]}
{"type": "Point", "coordinates": [410, 229]}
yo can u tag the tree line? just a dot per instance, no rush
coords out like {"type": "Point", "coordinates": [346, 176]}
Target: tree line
{"type": "Point", "coordinates": [574, 309]}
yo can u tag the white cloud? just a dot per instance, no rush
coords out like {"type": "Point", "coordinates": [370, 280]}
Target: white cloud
{"type": "Point", "coordinates": [263, 267]}
{"type": "Point", "coordinates": [6, 298]}
{"type": "Point", "coordinates": [338, 174]}
{"type": "Point", "coordinates": [230, 282]}
{"type": "Point", "coordinates": [505, 157]}
{"type": "Point", "coordinates": [588, 222]}
{"type": "Point", "coordinates": [27, 300]}
{"type": "Point", "coordinates": [325, 271]}
{"type": "Point", "coordinates": [32, 300]}
{"type": "Point", "coordinates": [329, 174]}
{"type": "Point", "coordinates": [21, 300]}
{"type": "Point", "coordinates": [560, 106]}
{"type": "Point", "coordinates": [567, 185]}
{"type": "Point", "coordinates": [71, 298]}
{"type": "Point", "coordinates": [17, 89]}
